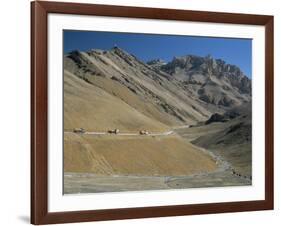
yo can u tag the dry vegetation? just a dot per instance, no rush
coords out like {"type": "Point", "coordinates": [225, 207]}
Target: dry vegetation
{"type": "Point", "coordinates": [143, 156]}
{"type": "Point", "coordinates": [94, 109]}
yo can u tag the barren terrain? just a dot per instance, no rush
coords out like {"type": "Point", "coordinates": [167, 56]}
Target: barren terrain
{"type": "Point", "coordinates": [181, 124]}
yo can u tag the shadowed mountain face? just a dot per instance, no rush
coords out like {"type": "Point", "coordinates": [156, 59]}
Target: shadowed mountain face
{"type": "Point", "coordinates": [233, 138]}
{"type": "Point", "coordinates": [186, 90]}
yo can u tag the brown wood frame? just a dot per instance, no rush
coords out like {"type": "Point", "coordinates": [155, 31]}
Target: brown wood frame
{"type": "Point", "coordinates": [39, 107]}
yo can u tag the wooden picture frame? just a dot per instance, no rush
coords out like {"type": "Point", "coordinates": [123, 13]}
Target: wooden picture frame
{"type": "Point", "coordinates": [39, 112]}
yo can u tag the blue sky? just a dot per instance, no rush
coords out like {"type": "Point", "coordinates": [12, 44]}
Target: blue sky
{"type": "Point", "coordinates": [151, 46]}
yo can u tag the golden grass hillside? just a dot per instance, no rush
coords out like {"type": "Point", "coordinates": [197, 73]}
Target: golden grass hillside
{"type": "Point", "coordinates": [141, 155]}
{"type": "Point", "coordinates": [92, 108]}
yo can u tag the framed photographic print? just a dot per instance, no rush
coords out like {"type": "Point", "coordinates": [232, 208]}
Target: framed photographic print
{"type": "Point", "coordinates": [145, 112]}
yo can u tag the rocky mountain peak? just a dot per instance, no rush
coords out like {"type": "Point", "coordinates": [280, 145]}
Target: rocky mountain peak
{"type": "Point", "coordinates": [201, 64]}
{"type": "Point", "coordinates": [156, 63]}
{"type": "Point", "coordinates": [206, 80]}
{"type": "Point", "coordinates": [194, 68]}
{"type": "Point", "coordinates": [121, 52]}
{"type": "Point", "coordinates": [127, 57]}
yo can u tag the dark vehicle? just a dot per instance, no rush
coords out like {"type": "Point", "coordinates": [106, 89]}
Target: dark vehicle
{"type": "Point", "coordinates": [79, 130]}
{"type": "Point", "coordinates": [114, 131]}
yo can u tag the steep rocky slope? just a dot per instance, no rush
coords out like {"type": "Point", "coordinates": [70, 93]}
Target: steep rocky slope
{"type": "Point", "coordinates": [94, 109]}
{"type": "Point", "coordinates": [122, 75]}
{"type": "Point", "coordinates": [173, 93]}
{"type": "Point", "coordinates": [211, 80]}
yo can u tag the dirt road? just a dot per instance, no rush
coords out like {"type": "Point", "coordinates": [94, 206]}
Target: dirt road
{"type": "Point", "coordinates": [167, 133]}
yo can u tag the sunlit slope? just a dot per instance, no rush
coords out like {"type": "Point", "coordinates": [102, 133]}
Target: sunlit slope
{"type": "Point", "coordinates": [137, 84]}
{"type": "Point", "coordinates": [141, 155]}
{"type": "Point", "coordinates": [93, 109]}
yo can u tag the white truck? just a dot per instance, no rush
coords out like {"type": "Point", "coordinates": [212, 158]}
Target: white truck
{"type": "Point", "coordinates": [143, 132]}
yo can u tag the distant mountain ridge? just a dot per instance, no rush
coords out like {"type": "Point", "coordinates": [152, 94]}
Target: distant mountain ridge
{"type": "Point", "coordinates": [192, 65]}
{"type": "Point", "coordinates": [211, 79]}
{"type": "Point", "coordinates": [186, 90]}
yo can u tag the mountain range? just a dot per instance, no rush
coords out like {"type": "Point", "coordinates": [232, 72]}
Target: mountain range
{"type": "Point", "coordinates": [113, 88]}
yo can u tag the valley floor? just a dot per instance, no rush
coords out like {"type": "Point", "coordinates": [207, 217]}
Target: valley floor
{"type": "Point", "coordinates": [90, 183]}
